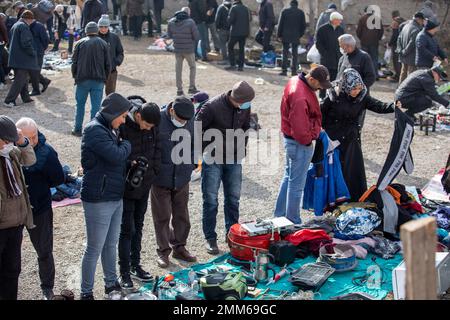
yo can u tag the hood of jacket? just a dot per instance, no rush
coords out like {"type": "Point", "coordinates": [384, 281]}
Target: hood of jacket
{"type": "Point", "coordinates": [180, 16]}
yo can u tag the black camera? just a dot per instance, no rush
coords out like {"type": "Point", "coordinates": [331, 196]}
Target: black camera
{"type": "Point", "coordinates": [137, 172]}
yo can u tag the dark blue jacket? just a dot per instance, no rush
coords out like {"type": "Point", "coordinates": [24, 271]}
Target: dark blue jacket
{"type": "Point", "coordinates": [427, 48]}
{"type": "Point", "coordinates": [173, 176]}
{"type": "Point", "coordinates": [46, 173]}
{"type": "Point", "coordinates": [22, 54]}
{"type": "Point", "coordinates": [104, 159]}
{"type": "Point", "coordinates": [40, 37]}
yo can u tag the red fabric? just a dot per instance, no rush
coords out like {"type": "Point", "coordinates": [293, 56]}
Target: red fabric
{"type": "Point", "coordinates": [307, 235]}
{"type": "Point", "coordinates": [301, 118]}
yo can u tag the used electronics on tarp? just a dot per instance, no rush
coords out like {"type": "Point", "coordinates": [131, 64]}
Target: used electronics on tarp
{"type": "Point", "coordinates": [442, 270]}
{"type": "Point", "coordinates": [311, 276]}
{"type": "Point", "coordinates": [224, 286]}
{"type": "Point", "coordinates": [266, 226]}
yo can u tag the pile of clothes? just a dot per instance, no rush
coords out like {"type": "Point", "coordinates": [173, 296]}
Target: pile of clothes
{"type": "Point", "coordinates": [70, 188]}
{"type": "Point", "coordinates": [53, 61]}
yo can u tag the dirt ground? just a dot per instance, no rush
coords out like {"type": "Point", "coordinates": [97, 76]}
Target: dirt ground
{"type": "Point", "coordinates": [151, 74]}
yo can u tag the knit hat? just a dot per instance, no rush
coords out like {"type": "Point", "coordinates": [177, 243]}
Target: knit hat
{"type": "Point", "coordinates": [18, 4]}
{"type": "Point", "coordinates": [27, 14]}
{"type": "Point", "coordinates": [104, 21]}
{"type": "Point", "coordinates": [419, 15]}
{"type": "Point", "coordinates": [8, 130]}
{"type": "Point", "coordinates": [242, 92]}
{"type": "Point", "coordinates": [113, 106]}
{"type": "Point", "coordinates": [91, 28]}
{"type": "Point", "coordinates": [332, 6]}
{"type": "Point", "coordinates": [200, 97]}
{"type": "Point", "coordinates": [336, 16]}
{"type": "Point", "coordinates": [29, 6]}
{"type": "Point", "coordinates": [183, 107]}
{"type": "Point", "coordinates": [430, 25]}
{"type": "Point", "coordinates": [150, 113]}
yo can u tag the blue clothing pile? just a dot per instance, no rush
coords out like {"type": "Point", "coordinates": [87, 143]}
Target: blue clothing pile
{"type": "Point", "coordinates": [69, 189]}
{"type": "Point", "coordinates": [356, 223]}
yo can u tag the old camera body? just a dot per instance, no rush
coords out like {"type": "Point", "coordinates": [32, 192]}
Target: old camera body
{"type": "Point", "coordinates": [137, 172]}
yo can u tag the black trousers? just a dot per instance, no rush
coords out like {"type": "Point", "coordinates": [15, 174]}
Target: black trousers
{"type": "Point", "coordinates": [397, 64]}
{"type": "Point", "coordinates": [416, 104]}
{"type": "Point", "coordinates": [10, 262]}
{"type": "Point", "coordinates": [125, 25]}
{"type": "Point", "coordinates": [131, 232]}
{"type": "Point", "coordinates": [42, 239]}
{"type": "Point", "coordinates": [136, 26]}
{"type": "Point", "coordinates": [372, 50]}
{"type": "Point", "coordinates": [333, 75]}
{"type": "Point", "coordinates": [149, 19]}
{"type": "Point", "coordinates": [294, 66]}
{"type": "Point", "coordinates": [266, 40]}
{"type": "Point", "coordinates": [61, 32]}
{"type": "Point", "coordinates": [19, 86]}
{"type": "Point", "coordinates": [158, 19]}
{"type": "Point", "coordinates": [231, 44]}
{"type": "Point", "coordinates": [36, 76]}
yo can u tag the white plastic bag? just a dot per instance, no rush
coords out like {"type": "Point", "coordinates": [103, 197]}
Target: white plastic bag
{"type": "Point", "coordinates": [388, 55]}
{"type": "Point", "coordinates": [313, 55]}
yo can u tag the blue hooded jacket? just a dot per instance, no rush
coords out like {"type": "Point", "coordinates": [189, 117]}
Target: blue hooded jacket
{"type": "Point", "coordinates": [329, 187]}
{"type": "Point", "coordinates": [46, 173]}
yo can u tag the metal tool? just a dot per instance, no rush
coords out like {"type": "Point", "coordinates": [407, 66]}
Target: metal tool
{"type": "Point", "coordinates": [261, 266]}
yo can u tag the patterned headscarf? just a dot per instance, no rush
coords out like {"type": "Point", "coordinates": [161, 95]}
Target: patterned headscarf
{"type": "Point", "coordinates": [350, 80]}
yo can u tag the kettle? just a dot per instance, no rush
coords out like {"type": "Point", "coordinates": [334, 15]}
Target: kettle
{"type": "Point", "coordinates": [261, 266]}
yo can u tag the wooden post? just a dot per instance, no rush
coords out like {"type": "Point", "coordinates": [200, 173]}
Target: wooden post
{"type": "Point", "coordinates": [419, 246]}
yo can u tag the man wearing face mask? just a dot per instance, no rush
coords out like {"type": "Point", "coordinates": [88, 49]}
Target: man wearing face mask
{"type": "Point", "coordinates": [15, 210]}
{"type": "Point", "coordinates": [227, 112]}
{"type": "Point", "coordinates": [170, 189]}
{"type": "Point", "coordinates": [141, 130]}
{"type": "Point", "coordinates": [301, 122]}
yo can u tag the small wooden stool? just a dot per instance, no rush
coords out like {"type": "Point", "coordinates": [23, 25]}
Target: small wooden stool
{"type": "Point", "coordinates": [427, 120]}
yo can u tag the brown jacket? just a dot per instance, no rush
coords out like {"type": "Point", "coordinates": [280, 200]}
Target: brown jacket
{"type": "Point", "coordinates": [17, 211]}
{"type": "Point", "coordinates": [368, 37]}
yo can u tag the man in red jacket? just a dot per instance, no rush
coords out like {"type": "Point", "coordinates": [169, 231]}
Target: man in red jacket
{"type": "Point", "coordinates": [300, 124]}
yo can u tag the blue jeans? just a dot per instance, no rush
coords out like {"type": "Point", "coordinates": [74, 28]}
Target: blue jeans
{"type": "Point", "coordinates": [103, 221]}
{"type": "Point", "coordinates": [203, 30]}
{"type": "Point", "coordinates": [231, 177]}
{"type": "Point", "coordinates": [298, 158]}
{"type": "Point", "coordinates": [83, 89]}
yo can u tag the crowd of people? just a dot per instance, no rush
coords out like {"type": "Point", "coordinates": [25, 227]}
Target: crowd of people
{"type": "Point", "coordinates": [127, 154]}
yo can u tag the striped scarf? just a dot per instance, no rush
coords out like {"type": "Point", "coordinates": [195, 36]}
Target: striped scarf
{"type": "Point", "coordinates": [12, 187]}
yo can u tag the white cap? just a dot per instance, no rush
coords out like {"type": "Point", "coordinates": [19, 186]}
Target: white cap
{"type": "Point", "coordinates": [336, 16]}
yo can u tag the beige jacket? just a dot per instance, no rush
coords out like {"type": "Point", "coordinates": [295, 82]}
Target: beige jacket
{"type": "Point", "coordinates": [15, 212]}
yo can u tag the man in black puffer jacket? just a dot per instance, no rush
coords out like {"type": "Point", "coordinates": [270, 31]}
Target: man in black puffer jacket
{"type": "Point", "coordinates": [91, 66]}
{"type": "Point", "coordinates": [223, 28]}
{"type": "Point", "coordinates": [92, 12]}
{"type": "Point", "coordinates": [239, 22]}
{"type": "Point", "coordinates": [141, 130]}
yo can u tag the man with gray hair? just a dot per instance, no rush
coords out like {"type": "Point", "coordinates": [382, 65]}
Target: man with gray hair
{"type": "Point", "coordinates": [46, 173]}
{"type": "Point", "coordinates": [184, 33]}
{"type": "Point", "coordinates": [353, 57]}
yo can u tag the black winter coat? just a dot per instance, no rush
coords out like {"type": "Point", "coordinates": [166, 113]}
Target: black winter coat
{"type": "Point", "coordinates": [266, 15]}
{"type": "Point", "coordinates": [22, 54]}
{"type": "Point", "coordinates": [211, 5]}
{"type": "Point", "coordinates": [340, 121]}
{"type": "Point", "coordinates": [291, 25]}
{"type": "Point", "coordinates": [361, 62]}
{"type": "Point", "coordinates": [40, 38]}
{"type": "Point", "coordinates": [222, 18]}
{"type": "Point", "coordinates": [239, 20]}
{"type": "Point", "coordinates": [103, 158]}
{"type": "Point", "coordinates": [218, 113]}
{"type": "Point", "coordinates": [144, 143]}
{"type": "Point", "coordinates": [427, 48]}
{"type": "Point", "coordinates": [328, 45]}
{"type": "Point", "coordinates": [90, 60]}
{"type": "Point", "coordinates": [92, 11]}
{"type": "Point", "coordinates": [173, 176]}
{"type": "Point", "coordinates": [115, 49]}
{"type": "Point", "coordinates": [184, 33]}
{"type": "Point", "coordinates": [406, 42]}
{"type": "Point", "coordinates": [198, 11]}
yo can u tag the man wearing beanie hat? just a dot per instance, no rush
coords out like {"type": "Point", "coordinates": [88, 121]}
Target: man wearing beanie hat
{"type": "Point", "coordinates": [115, 52]}
{"type": "Point", "coordinates": [91, 65]}
{"type": "Point", "coordinates": [141, 130]}
{"type": "Point", "coordinates": [15, 211]}
{"type": "Point", "coordinates": [104, 159]}
{"type": "Point", "coordinates": [327, 44]}
{"type": "Point", "coordinates": [428, 50]}
{"type": "Point", "coordinates": [406, 44]}
{"type": "Point", "coordinates": [170, 189]}
{"type": "Point", "coordinates": [22, 59]}
{"type": "Point", "coordinates": [228, 112]}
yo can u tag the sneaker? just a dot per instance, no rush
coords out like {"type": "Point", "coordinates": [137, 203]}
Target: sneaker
{"type": "Point", "coordinates": [76, 133]}
{"type": "Point", "coordinates": [116, 288]}
{"type": "Point", "coordinates": [181, 253]}
{"type": "Point", "coordinates": [211, 247]}
{"type": "Point", "coordinates": [140, 274]}
{"type": "Point", "coordinates": [163, 262]}
{"type": "Point", "coordinates": [46, 84]}
{"type": "Point", "coordinates": [87, 296]}
{"type": "Point", "coordinates": [48, 294]}
{"type": "Point", "coordinates": [34, 93]}
{"type": "Point", "coordinates": [125, 281]}
{"type": "Point", "coordinates": [28, 101]}
{"type": "Point", "coordinates": [193, 91]}
{"type": "Point", "coordinates": [10, 104]}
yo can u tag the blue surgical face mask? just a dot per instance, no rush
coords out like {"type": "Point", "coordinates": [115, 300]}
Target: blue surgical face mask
{"type": "Point", "coordinates": [245, 106]}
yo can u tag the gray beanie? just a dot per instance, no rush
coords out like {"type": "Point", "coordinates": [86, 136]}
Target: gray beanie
{"type": "Point", "coordinates": [104, 21]}
{"type": "Point", "coordinates": [91, 28]}
{"type": "Point", "coordinates": [113, 106]}
{"type": "Point", "coordinates": [242, 92]}
{"type": "Point", "coordinates": [8, 130]}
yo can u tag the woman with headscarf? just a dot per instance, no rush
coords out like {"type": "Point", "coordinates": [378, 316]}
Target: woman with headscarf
{"type": "Point", "coordinates": [346, 100]}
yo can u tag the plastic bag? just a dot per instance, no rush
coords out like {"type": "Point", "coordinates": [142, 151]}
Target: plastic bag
{"type": "Point", "coordinates": [268, 58]}
{"type": "Point", "coordinates": [388, 55]}
{"type": "Point", "coordinates": [313, 55]}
